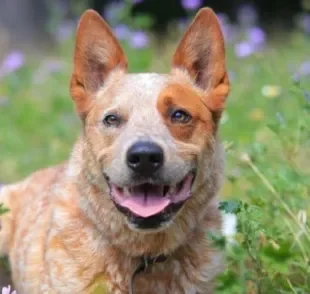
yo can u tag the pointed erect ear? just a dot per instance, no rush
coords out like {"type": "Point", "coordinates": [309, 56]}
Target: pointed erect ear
{"type": "Point", "coordinates": [97, 53]}
{"type": "Point", "coordinates": [201, 53]}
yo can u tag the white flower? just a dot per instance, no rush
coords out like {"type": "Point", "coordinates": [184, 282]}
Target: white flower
{"type": "Point", "coordinates": [229, 227]}
{"type": "Point", "coordinates": [245, 157]}
{"type": "Point", "coordinates": [271, 91]}
{"type": "Point", "coordinates": [7, 290]}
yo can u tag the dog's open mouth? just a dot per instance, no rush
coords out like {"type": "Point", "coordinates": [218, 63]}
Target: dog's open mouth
{"type": "Point", "coordinates": [147, 200]}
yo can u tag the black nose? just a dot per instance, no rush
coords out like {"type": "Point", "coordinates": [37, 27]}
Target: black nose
{"type": "Point", "coordinates": [145, 158]}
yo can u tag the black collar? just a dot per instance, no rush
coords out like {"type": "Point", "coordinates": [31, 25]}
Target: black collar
{"type": "Point", "coordinates": [143, 264]}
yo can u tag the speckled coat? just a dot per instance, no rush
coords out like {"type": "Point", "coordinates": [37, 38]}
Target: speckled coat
{"type": "Point", "coordinates": [63, 233]}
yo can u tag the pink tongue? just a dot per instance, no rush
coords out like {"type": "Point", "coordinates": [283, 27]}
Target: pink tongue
{"type": "Point", "coordinates": [146, 207]}
{"type": "Point", "coordinates": [147, 201]}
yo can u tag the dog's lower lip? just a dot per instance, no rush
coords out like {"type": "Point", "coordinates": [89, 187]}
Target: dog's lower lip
{"type": "Point", "coordinates": [152, 222]}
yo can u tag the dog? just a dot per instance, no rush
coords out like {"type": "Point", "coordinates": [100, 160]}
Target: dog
{"type": "Point", "coordinates": [130, 210]}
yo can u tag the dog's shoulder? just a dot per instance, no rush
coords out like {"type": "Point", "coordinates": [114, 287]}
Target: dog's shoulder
{"type": "Point", "coordinates": [31, 187]}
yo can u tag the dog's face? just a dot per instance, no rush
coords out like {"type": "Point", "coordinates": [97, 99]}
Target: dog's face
{"type": "Point", "coordinates": [151, 136]}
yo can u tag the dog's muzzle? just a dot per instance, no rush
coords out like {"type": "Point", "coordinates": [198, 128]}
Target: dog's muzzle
{"type": "Point", "coordinates": [149, 203]}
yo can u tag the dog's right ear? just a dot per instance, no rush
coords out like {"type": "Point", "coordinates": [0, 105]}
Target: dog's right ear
{"type": "Point", "coordinates": [97, 53]}
{"type": "Point", "coordinates": [201, 53]}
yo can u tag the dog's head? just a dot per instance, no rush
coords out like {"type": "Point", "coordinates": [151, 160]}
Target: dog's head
{"type": "Point", "coordinates": [150, 138]}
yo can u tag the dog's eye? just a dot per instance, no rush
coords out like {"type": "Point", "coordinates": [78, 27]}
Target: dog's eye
{"type": "Point", "coordinates": [180, 116]}
{"type": "Point", "coordinates": [111, 120]}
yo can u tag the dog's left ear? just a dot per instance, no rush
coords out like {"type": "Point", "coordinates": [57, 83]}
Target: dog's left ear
{"type": "Point", "coordinates": [201, 53]}
{"type": "Point", "coordinates": [97, 53]}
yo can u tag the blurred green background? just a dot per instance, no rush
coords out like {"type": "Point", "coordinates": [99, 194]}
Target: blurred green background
{"type": "Point", "coordinates": [266, 127]}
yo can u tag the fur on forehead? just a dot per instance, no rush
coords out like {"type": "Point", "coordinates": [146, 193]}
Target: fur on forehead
{"type": "Point", "coordinates": [145, 91]}
{"type": "Point", "coordinates": [124, 84]}
{"type": "Point", "coordinates": [120, 81]}
{"type": "Point", "coordinates": [130, 91]}
{"type": "Point", "coordinates": [198, 62]}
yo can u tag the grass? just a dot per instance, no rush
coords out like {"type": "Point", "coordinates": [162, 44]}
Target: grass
{"type": "Point", "coordinates": [268, 154]}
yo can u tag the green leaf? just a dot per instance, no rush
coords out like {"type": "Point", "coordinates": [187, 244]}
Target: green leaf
{"type": "Point", "coordinates": [226, 280]}
{"type": "Point", "coordinates": [143, 21]}
{"type": "Point", "coordinates": [230, 206]}
{"type": "Point", "coordinates": [3, 209]}
{"type": "Point", "coordinates": [279, 255]}
{"type": "Point", "coordinates": [274, 127]}
{"type": "Point", "coordinates": [218, 241]}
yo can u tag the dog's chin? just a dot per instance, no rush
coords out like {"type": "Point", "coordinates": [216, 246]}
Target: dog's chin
{"type": "Point", "coordinates": [151, 207]}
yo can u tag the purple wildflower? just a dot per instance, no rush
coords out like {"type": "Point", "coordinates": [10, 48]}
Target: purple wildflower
{"type": "Point", "coordinates": [54, 65]}
{"type": "Point", "coordinates": [183, 24]}
{"type": "Point", "coordinates": [247, 15]}
{"type": "Point", "coordinates": [304, 69]}
{"type": "Point", "coordinates": [65, 31]}
{"type": "Point", "coordinates": [191, 4]}
{"type": "Point", "coordinates": [122, 32]}
{"type": "Point", "coordinates": [304, 22]}
{"type": "Point", "coordinates": [296, 78]}
{"type": "Point", "coordinates": [63, 6]}
{"type": "Point", "coordinates": [112, 11]}
{"type": "Point", "coordinates": [230, 33]}
{"type": "Point", "coordinates": [139, 40]}
{"type": "Point", "coordinates": [223, 18]}
{"type": "Point", "coordinates": [229, 30]}
{"type": "Point", "coordinates": [136, 1]}
{"type": "Point", "coordinates": [12, 62]}
{"type": "Point", "coordinates": [244, 49]}
{"type": "Point", "coordinates": [256, 36]}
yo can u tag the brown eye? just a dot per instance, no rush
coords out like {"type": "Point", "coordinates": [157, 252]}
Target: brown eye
{"type": "Point", "coordinates": [180, 116]}
{"type": "Point", "coordinates": [112, 120]}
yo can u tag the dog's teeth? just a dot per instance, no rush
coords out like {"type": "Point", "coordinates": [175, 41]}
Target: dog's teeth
{"type": "Point", "coordinates": [126, 191]}
{"type": "Point", "coordinates": [172, 190]}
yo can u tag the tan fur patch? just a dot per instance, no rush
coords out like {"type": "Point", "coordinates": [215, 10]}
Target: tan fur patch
{"type": "Point", "coordinates": [184, 97]}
